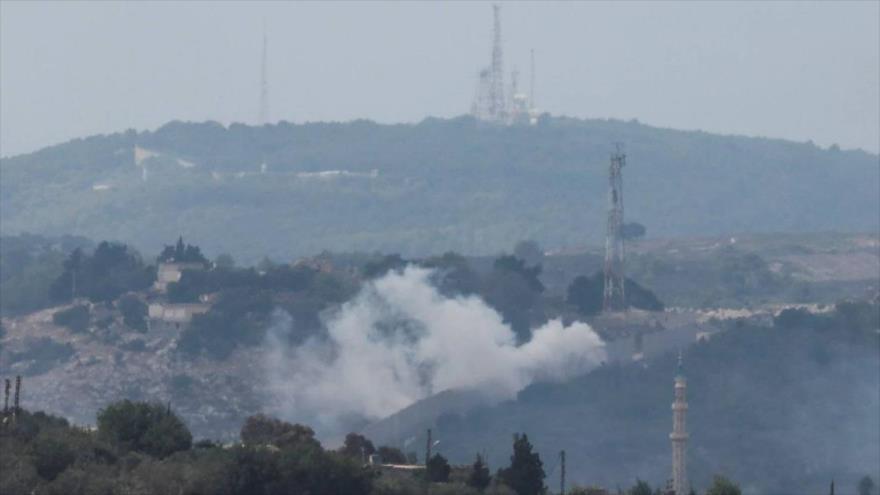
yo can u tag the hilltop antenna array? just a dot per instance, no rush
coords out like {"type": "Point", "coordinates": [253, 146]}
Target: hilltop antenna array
{"type": "Point", "coordinates": [613, 297]}
{"type": "Point", "coordinates": [489, 102]}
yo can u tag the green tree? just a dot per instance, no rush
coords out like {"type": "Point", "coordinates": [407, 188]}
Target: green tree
{"type": "Point", "coordinates": [182, 253]}
{"type": "Point", "coordinates": [452, 275]}
{"type": "Point", "coordinates": [264, 430]}
{"type": "Point", "coordinates": [632, 230]}
{"type": "Point", "coordinates": [379, 267]}
{"type": "Point", "coordinates": [587, 490]}
{"type": "Point", "coordinates": [134, 312]}
{"type": "Point", "coordinates": [866, 486]}
{"type": "Point", "coordinates": [252, 469]}
{"type": "Point", "coordinates": [51, 455]}
{"type": "Point", "coordinates": [145, 427]}
{"type": "Point", "coordinates": [529, 251]}
{"type": "Point", "coordinates": [723, 486]}
{"type": "Point", "coordinates": [438, 469]}
{"type": "Point", "coordinates": [357, 447]}
{"type": "Point", "coordinates": [585, 293]}
{"type": "Point", "coordinates": [479, 477]}
{"type": "Point", "coordinates": [391, 455]}
{"type": "Point", "coordinates": [224, 261]}
{"type": "Point", "coordinates": [640, 488]}
{"type": "Point", "coordinates": [76, 318]}
{"type": "Point", "coordinates": [111, 270]}
{"type": "Point", "coordinates": [517, 265]}
{"type": "Point", "coordinates": [526, 472]}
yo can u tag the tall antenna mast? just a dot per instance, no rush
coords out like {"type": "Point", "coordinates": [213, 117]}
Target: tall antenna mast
{"type": "Point", "coordinates": [264, 82]}
{"type": "Point", "coordinates": [496, 89]}
{"type": "Point", "coordinates": [613, 298]}
{"type": "Point", "coordinates": [532, 81]}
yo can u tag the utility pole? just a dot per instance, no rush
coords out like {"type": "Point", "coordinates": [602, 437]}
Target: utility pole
{"type": "Point", "coordinates": [428, 450]}
{"type": "Point", "coordinates": [613, 297]}
{"type": "Point", "coordinates": [562, 473]}
{"type": "Point", "coordinates": [16, 409]}
{"type": "Point", "coordinates": [427, 460]}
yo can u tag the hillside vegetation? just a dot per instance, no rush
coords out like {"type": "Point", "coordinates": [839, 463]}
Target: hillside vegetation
{"type": "Point", "coordinates": [287, 190]}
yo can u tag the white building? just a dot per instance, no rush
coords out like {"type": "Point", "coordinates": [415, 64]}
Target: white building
{"type": "Point", "coordinates": [172, 272]}
{"type": "Point", "coordinates": [177, 313]}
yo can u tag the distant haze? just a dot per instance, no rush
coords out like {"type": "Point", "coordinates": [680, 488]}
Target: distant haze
{"type": "Point", "coordinates": [801, 71]}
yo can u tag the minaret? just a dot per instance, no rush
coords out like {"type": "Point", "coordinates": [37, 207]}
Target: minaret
{"type": "Point", "coordinates": [679, 434]}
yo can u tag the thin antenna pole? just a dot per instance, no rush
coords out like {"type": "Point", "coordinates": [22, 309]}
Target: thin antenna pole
{"type": "Point", "coordinates": [264, 82]}
{"type": "Point", "coordinates": [532, 81]}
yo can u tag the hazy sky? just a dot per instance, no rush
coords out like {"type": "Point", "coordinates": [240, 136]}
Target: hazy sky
{"type": "Point", "coordinates": [799, 70]}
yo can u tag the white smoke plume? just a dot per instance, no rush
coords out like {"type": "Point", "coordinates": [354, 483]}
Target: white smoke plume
{"type": "Point", "coordinates": [399, 341]}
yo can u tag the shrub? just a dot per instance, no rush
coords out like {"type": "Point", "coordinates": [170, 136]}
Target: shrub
{"type": "Point", "coordinates": [51, 456]}
{"type": "Point", "coordinates": [136, 345]}
{"type": "Point", "coordinates": [76, 318]}
{"type": "Point", "coordinates": [438, 469]}
{"type": "Point", "coordinates": [134, 312]}
{"type": "Point", "coordinates": [262, 430]}
{"type": "Point", "coordinates": [44, 353]}
{"type": "Point", "coordinates": [391, 455]}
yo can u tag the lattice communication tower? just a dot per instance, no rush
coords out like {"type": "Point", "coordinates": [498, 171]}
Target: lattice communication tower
{"type": "Point", "coordinates": [614, 297]}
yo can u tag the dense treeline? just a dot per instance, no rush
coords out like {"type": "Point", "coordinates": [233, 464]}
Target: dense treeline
{"type": "Point", "coordinates": [243, 298]}
{"type": "Point", "coordinates": [102, 276]}
{"type": "Point", "coordinates": [144, 448]}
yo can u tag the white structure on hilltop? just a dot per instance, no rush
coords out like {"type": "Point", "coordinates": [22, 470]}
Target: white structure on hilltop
{"type": "Point", "coordinates": [169, 272]}
{"type": "Point", "coordinates": [679, 434]}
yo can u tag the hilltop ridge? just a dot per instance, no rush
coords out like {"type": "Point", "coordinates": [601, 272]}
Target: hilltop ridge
{"type": "Point", "coordinates": [289, 190]}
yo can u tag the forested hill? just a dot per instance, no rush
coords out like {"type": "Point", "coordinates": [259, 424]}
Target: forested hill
{"type": "Point", "coordinates": [289, 190]}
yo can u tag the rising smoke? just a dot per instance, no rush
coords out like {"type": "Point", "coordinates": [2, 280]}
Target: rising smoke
{"type": "Point", "coordinates": [399, 341]}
